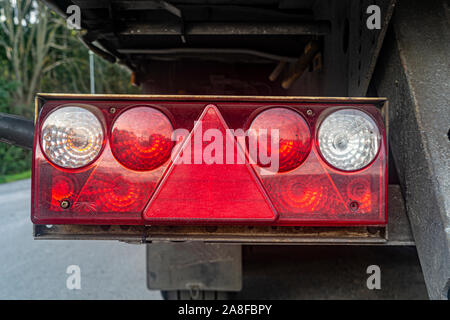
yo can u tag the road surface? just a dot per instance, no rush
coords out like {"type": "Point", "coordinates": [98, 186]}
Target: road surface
{"type": "Point", "coordinates": [36, 269]}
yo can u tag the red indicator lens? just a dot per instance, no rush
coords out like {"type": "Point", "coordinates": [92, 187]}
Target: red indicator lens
{"type": "Point", "coordinates": [141, 138]}
{"type": "Point", "coordinates": [314, 192]}
{"type": "Point", "coordinates": [359, 193]}
{"type": "Point", "coordinates": [194, 190]}
{"type": "Point", "coordinates": [112, 194]}
{"type": "Point", "coordinates": [294, 137]}
{"type": "Point", "coordinates": [62, 188]}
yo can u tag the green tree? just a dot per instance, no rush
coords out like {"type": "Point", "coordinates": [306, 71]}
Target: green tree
{"type": "Point", "coordinates": [28, 35]}
{"type": "Point", "coordinates": [38, 53]}
{"type": "Point", "coordinates": [13, 159]}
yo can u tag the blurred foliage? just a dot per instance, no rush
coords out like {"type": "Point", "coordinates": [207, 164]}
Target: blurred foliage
{"type": "Point", "coordinates": [6, 90]}
{"type": "Point", "coordinates": [38, 53]}
{"type": "Point", "coordinates": [17, 176]}
{"type": "Point", "coordinates": [13, 160]}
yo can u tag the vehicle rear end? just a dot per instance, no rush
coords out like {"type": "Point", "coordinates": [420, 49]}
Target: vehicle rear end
{"type": "Point", "coordinates": [260, 123]}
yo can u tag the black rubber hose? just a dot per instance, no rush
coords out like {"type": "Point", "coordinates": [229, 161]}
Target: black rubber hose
{"type": "Point", "coordinates": [16, 130]}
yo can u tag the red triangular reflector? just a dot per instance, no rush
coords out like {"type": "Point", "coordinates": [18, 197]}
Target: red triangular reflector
{"type": "Point", "coordinates": [194, 191]}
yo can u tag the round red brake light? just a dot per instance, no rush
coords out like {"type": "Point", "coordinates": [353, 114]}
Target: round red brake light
{"type": "Point", "coordinates": [141, 138]}
{"type": "Point", "coordinates": [293, 134]}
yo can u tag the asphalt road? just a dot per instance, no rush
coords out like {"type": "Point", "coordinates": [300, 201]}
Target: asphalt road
{"type": "Point", "coordinates": [36, 269]}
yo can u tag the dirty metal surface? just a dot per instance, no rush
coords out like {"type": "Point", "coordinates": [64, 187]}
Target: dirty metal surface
{"type": "Point", "coordinates": [325, 272]}
{"type": "Point", "coordinates": [230, 28]}
{"type": "Point", "coordinates": [350, 50]}
{"type": "Point", "coordinates": [332, 79]}
{"type": "Point", "coordinates": [194, 266]}
{"type": "Point", "coordinates": [414, 74]}
{"type": "Point", "coordinates": [397, 232]}
{"type": "Point", "coordinates": [112, 26]}
{"type": "Point", "coordinates": [364, 44]}
{"type": "Point", "coordinates": [41, 98]}
{"type": "Point", "coordinates": [229, 234]}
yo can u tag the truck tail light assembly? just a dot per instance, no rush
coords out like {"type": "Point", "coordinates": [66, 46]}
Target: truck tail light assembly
{"type": "Point", "coordinates": [176, 160]}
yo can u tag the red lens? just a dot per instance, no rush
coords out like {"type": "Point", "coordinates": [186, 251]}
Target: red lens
{"type": "Point", "coordinates": [113, 193]}
{"type": "Point", "coordinates": [63, 187]}
{"type": "Point", "coordinates": [309, 196]}
{"type": "Point", "coordinates": [141, 138]}
{"type": "Point", "coordinates": [359, 193]}
{"type": "Point", "coordinates": [293, 135]}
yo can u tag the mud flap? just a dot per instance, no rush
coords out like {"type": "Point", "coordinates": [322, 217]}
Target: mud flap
{"type": "Point", "coordinates": [194, 266]}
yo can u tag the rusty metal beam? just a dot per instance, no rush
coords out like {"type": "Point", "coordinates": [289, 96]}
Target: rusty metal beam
{"type": "Point", "coordinates": [365, 44]}
{"type": "Point", "coordinates": [228, 28]}
{"type": "Point", "coordinates": [413, 72]}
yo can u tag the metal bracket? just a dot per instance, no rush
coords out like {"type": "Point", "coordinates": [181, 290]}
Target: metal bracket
{"type": "Point", "coordinates": [365, 44]}
{"type": "Point", "coordinates": [413, 73]}
{"type": "Point", "coordinates": [194, 266]}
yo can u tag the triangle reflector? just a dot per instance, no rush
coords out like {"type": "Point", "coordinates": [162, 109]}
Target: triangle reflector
{"type": "Point", "coordinates": [210, 180]}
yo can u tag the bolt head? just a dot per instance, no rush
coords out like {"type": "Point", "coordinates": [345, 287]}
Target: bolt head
{"type": "Point", "coordinates": [354, 206]}
{"type": "Point", "coordinates": [64, 204]}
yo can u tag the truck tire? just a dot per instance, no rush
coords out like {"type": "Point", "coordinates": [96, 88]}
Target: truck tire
{"type": "Point", "coordinates": [199, 295]}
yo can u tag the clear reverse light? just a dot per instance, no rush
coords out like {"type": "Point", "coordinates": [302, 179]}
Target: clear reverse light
{"type": "Point", "coordinates": [71, 137]}
{"type": "Point", "coordinates": [349, 139]}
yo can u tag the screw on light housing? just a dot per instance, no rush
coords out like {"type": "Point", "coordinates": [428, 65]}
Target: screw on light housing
{"type": "Point", "coordinates": [354, 205]}
{"type": "Point", "coordinates": [64, 204]}
{"type": "Point", "coordinates": [349, 139]}
{"type": "Point", "coordinates": [71, 137]}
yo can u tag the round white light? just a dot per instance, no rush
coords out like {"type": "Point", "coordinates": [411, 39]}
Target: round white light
{"type": "Point", "coordinates": [349, 139]}
{"type": "Point", "coordinates": [71, 137]}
